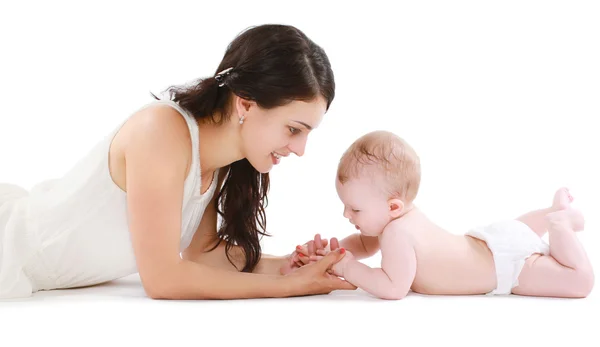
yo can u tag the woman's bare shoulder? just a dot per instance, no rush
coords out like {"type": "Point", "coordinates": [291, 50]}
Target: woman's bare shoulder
{"type": "Point", "coordinates": [157, 130]}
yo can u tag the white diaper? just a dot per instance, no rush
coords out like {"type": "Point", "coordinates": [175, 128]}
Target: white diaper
{"type": "Point", "coordinates": [511, 243]}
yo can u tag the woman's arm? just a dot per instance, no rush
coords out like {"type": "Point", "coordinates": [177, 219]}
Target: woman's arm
{"type": "Point", "coordinates": [201, 249]}
{"type": "Point", "coordinates": [157, 156]}
{"type": "Point", "coordinates": [271, 264]}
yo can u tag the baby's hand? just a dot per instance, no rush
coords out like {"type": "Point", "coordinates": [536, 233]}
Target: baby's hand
{"type": "Point", "coordinates": [339, 268]}
{"type": "Point", "coordinates": [313, 250]}
{"type": "Point", "coordinates": [310, 252]}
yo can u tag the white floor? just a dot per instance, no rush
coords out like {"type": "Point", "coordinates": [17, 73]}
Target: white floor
{"type": "Point", "coordinates": [118, 313]}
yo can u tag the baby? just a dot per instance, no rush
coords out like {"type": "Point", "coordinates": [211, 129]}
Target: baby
{"type": "Point", "coordinates": [378, 179]}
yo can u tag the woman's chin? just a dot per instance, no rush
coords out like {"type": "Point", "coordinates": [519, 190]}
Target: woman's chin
{"type": "Point", "coordinates": [263, 167]}
{"type": "Point", "coordinates": [266, 170]}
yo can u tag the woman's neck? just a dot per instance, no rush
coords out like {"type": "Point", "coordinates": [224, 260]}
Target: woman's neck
{"type": "Point", "coordinates": [220, 145]}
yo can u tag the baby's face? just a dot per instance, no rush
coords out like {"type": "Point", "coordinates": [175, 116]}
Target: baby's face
{"type": "Point", "coordinates": [365, 205]}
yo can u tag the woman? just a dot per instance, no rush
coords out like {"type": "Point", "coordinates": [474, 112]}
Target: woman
{"type": "Point", "coordinates": [146, 198]}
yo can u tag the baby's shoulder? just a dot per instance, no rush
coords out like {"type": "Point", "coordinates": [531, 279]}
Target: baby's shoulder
{"type": "Point", "coordinates": [398, 229]}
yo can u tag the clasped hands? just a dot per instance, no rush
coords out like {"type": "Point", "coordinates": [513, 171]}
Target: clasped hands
{"type": "Point", "coordinates": [314, 250]}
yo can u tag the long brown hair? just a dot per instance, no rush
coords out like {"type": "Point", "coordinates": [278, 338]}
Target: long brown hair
{"type": "Point", "coordinates": [271, 65]}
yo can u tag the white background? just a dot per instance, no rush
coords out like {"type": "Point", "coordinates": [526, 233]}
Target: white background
{"type": "Point", "coordinates": [500, 100]}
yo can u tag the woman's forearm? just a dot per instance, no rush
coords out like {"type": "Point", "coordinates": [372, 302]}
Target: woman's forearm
{"type": "Point", "coordinates": [270, 264]}
{"type": "Point", "coordinates": [189, 281]}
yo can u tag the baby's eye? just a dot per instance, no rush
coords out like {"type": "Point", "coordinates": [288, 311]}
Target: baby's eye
{"type": "Point", "coordinates": [294, 130]}
{"type": "Point", "coordinates": [353, 210]}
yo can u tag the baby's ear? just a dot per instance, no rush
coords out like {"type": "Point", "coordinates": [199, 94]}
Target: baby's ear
{"type": "Point", "coordinates": [396, 207]}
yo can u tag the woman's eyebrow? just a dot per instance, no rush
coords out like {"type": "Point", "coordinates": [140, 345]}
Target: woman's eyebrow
{"type": "Point", "coordinates": [306, 125]}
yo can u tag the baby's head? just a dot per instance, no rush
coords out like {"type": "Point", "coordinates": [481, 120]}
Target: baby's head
{"type": "Point", "coordinates": [377, 180]}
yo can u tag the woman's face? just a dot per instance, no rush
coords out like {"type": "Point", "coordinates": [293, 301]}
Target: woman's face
{"type": "Point", "coordinates": [270, 135]}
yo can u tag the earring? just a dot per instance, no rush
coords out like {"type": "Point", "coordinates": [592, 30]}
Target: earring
{"type": "Point", "coordinates": [242, 120]}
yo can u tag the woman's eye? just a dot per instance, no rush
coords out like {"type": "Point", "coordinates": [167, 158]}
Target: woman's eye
{"type": "Point", "coordinates": [294, 130]}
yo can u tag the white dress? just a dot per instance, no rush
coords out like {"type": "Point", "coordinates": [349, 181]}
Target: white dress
{"type": "Point", "coordinates": [73, 231]}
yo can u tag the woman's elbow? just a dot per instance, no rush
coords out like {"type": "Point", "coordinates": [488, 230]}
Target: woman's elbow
{"type": "Point", "coordinates": [175, 284]}
{"type": "Point", "coordinates": [158, 290]}
{"type": "Point", "coordinates": [162, 285]}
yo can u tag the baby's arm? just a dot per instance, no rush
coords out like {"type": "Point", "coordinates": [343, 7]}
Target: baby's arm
{"type": "Point", "coordinates": [361, 246]}
{"type": "Point", "coordinates": [399, 265]}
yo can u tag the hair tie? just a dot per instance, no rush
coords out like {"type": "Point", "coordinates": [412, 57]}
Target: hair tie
{"type": "Point", "coordinates": [220, 77]}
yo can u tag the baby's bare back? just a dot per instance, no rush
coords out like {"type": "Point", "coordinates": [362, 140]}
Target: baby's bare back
{"type": "Point", "coordinates": [448, 263]}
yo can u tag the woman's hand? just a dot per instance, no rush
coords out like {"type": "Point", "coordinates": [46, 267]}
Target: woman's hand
{"type": "Point", "coordinates": [316, 277]}
{"type": "Point", "coordinates": [311, 251]}
{"type": "Point", "coordinates": [339, 268]}
{"type": "Point", "coordinates": [315, 249]}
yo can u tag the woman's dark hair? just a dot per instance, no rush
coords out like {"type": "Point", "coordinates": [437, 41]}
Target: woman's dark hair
{"type": "Point", "coordinates": [272, 65]}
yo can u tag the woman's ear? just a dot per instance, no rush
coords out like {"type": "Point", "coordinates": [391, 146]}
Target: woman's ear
{"type": "Point", "coordinates": [243, 106]}
{"type": "Point", "coordinates": [396, 207]}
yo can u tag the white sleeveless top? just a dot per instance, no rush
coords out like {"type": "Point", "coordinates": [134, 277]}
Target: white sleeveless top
{"type": "Point", "coordinates": [73, 231]}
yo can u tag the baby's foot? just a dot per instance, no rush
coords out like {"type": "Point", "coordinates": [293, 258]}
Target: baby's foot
{"type": "Point", "coordinates": [567, 219]}
{"type": "Point", "coordinates": [562, 199]}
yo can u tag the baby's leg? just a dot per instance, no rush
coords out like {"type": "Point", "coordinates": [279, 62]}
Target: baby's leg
{"type": "Point", "coordinates": [567, 271]}
{"type": "Point", "coordinates": [536, 220]}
